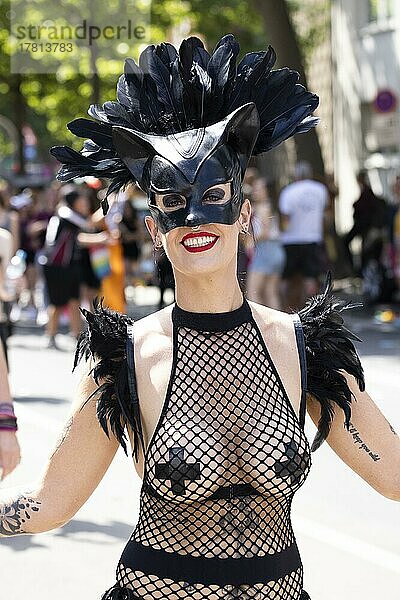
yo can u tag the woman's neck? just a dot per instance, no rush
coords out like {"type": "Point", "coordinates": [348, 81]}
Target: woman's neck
{"type": "Point", "coordinates": [211, 293]}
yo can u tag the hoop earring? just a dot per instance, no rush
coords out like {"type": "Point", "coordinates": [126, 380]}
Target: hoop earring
{"type": "Point", "coordinates": [159, 245]}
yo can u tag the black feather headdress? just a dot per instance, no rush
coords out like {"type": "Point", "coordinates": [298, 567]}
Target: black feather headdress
{"type": "Point", "coordinates": [172, 91]}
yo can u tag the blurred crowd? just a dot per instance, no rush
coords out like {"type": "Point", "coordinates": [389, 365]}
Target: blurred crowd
{"type": "Point", "coordinates": [58, 252]}
{"type": "Point", "coordinates": [295, 241]}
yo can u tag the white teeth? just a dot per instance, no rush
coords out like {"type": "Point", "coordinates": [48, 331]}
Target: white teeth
{"type": "Point", "coordinates": [197, 242]}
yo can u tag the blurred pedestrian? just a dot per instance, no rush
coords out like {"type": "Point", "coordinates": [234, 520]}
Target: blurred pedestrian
{"type": "Point", "coordinates": [9, 446]}
{"type": "Point", "coordinates": [90, 280]}
{"type": "Point", "coordinates": [369, 220]}
{"type": "Point", "coordinates": [68, 231]}
{"type": "Point", "coordinates": [6, 246]}
{"type": "Point", "coordinates": [113, 284]}
{"type": "Point", "coordinates": [132, 235]}
{"type": "Point", "coordinates": [394, 232]}
{"type": "Point", "coordinates": [10, 222]}
{"type": "Point", "coordinates": [34, 218]}
{"type": "Point", "coordinates": [268, 259]}
{"type": "Point", "coordinates": [302, 205]}
{"type": "Point", "coordinates": [393, 226]}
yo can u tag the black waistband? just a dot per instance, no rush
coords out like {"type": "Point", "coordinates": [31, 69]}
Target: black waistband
{"type": "Point", "coordinates": [235, 490]}
{"type": "Point", "coordinates": [210, 571]}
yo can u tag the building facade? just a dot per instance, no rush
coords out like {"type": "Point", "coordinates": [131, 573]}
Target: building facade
{"type": "Point", "coordinates": [365, 55]}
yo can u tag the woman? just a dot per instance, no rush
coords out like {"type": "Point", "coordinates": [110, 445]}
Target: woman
{"type": "Point", "coordinates": [67, 234]}
{"type": "Point", "coordinates": [215, 419]}
{"type": "Point", "coordinates": [268, 260]}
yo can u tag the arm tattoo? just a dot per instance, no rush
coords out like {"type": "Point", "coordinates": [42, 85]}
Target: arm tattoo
{"type": "Point", "coordinates": [391, 428]}
{"type": "Point", "coordinates": [63, 435]}
{"type": "Point", "coordinates": [12, 516]}
{"type": "Point", "coordinates": [362, 445]}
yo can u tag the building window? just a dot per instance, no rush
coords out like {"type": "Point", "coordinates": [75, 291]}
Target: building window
{"type": "Point", "coordinates": [380, 11]}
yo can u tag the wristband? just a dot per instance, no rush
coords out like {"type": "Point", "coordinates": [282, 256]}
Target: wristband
{"type": "Point", "coordinates": [6, 410]}
{"type": "Point", "coordinates": [9, 424]}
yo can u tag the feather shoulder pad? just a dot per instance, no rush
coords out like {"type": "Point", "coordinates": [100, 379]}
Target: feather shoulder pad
{"type": "Point", "coordinates": [329, 351]}
{"type": "Point", "coordinates": [108, 342]}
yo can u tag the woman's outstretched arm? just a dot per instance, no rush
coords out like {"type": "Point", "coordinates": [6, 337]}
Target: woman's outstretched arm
{"type": "Point", "coordinates": [9, 445]}
{"type": "Point", "coordinates": [370, 447]}
{"type": "Point", "coordinates": [364, 439]}
{"type": "Point", "coordinates": [76, 466]}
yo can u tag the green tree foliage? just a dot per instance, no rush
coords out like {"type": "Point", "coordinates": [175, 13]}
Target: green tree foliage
{"type": "Point", "coordinates": [47, 101]}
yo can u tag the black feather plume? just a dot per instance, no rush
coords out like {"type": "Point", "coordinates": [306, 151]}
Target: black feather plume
{"type": "Point", "coordinates": [329, 350]}
{"type": "Point", "coordinates": [105, 340]}
{"type": "Point", "coordinates": [171, 91]}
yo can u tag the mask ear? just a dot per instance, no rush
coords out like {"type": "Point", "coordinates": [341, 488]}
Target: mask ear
{"type": "Point", "coordinates": [242, 128]}
{"type": "Point", "coordinates": [133, 149]}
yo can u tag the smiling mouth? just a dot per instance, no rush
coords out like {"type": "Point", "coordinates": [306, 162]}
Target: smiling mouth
{"type": "Point", "coordinates": [198, 242]}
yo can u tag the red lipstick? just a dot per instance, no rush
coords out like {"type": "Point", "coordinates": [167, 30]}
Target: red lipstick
{"type": "Point", "coordinates": [198, 241]}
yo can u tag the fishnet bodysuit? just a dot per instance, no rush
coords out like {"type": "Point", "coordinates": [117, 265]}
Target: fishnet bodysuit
{"type": "Point", "coordinates": [226, 457]}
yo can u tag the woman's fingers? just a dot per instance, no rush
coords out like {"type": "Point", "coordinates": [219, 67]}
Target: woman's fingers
{"type": "Point", "coordinates": [10, 455]}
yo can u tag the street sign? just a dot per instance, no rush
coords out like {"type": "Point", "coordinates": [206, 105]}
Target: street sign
{"type": "Point", "coordinates": [385, 101]}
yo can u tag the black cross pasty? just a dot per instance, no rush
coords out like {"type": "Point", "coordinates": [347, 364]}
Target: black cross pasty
{"type": "Point", "coordinates": [293, 465]}
{"type": "Point", "coordinates": [177, 471]}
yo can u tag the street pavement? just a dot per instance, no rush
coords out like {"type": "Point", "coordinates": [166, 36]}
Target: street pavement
{"type": "Point", "coordinates": [348, 535]}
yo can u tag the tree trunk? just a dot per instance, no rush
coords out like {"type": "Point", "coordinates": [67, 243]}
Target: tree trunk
{"type": "Point", "coordinates": [95, 97]}
{"type": "Point", "coordinates": [282, 38]}
{"type": "Point", "coordinates": [19, 108]}
{"type": "Point", "coordinates": [95, 79]}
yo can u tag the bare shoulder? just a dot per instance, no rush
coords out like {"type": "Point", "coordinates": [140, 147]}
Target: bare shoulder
{"type": "Point", "coordinates": [274, 324]}
{"type": "Point", "coordinates": [153, 333]}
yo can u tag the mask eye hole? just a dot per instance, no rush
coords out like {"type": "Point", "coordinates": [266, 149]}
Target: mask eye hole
{"type": "Point", "coordinates": [170, 202]}
{"type": "Point", "coordinates": [218, 194]}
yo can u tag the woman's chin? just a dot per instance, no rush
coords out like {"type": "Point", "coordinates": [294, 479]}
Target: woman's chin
{"type": "Point", "coordinates": [192, 262]}
{"type": "Point", "coordinates": [193, 266]}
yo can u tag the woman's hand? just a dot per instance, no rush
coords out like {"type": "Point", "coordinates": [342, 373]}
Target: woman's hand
{"type": "Point", "coordinates": [9, 453]}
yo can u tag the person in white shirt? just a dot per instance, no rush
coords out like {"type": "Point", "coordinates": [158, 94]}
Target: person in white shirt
{"type": "Point", "coordinates": [302, 205]}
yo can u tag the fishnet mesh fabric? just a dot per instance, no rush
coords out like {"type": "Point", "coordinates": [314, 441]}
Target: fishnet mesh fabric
{"type": "Point", "coordinates": [226, 422]}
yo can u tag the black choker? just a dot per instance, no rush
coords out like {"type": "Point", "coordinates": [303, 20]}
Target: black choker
{"type": "Point", "coordinates": [206, 321]}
